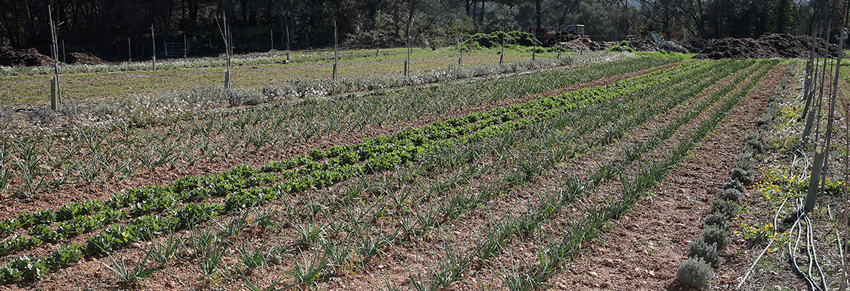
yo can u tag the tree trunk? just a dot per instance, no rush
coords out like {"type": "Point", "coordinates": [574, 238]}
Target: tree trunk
{"type": "Point", "coordinates": [410, 17]}
{"type": "Point", "coordinates": [193, 14]}
{"type": "Point", "coordinates": [537, 8]}
{"type": "Point", "coordinates": [481, 14]}
{"type": "Point", "coordinates": [30, 26]}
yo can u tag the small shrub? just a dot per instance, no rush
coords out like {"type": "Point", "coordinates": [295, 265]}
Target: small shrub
{"type": "Point", "coordinates": [742, 175]}
{"type": "Point", "coordinates": [621, 47]}
{"type": "Point", "coordinates": [726, 208]}
{"type": "Point", "coordinates": [755, 140]}
{"type": "Point", "coordinates": [42, 115]}
{"type": "Point", "coordinates": [716, 235]}
{"type": "Point", "coordinates": [744, 162]}
{"type": "Point", "coordinates": [717, 219]}
{"type": "Point", "coordinates": [695, 272]}
{"type": "Point", "coordinates": [249, 97]}
{"type": "Point", "coordinates": [734, 184]}
{"type": "Point", "coordinates": [698, 249]}
{"type": "Point", "coordinates": [731, 194]}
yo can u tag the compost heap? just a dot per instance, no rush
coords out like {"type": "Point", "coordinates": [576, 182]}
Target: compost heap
{"type": "Point", "coordinates": [585, 45]}
{"type": "Point", "coordinates": [11, 57]}
{"type": "Point", "coordinates": [73, 55]}
{"type": "Point", "coordinates": [768, 46]}
{"type": "Point", "coordinates": [83, 58]}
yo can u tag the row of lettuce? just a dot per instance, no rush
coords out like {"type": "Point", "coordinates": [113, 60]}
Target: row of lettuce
{"type": "Point", "coordinates": [154, 210]}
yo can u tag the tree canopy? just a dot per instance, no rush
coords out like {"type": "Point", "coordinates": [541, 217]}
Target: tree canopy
{"type": "Point", "coordinates": [104, 23]}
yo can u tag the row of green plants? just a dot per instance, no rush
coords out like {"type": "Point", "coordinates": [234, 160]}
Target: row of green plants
{"type": "Point", "coordinates": [160, 198]}
{"type": "Point", "coordinates": [41, 163]}
{"type": "Point", "coordinates": [646, 176]}
{"type": "Point", "coordinates": [498, 236]}
{"type": "Point", "coordinates": [450, 209]}
{"type": "Point", "coordinates": [431, 217]}
{"type": "Point", "coordinates": [120, 236]}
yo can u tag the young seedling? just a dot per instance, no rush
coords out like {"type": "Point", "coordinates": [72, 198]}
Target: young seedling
{"type": "Point", "coordinates": [162, 254]}
{"type": "Point", "coordinates": [130, 275]}
{"type": "Point", "coordinates": [306, 272]}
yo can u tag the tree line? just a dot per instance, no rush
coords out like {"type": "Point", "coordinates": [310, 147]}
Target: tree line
{"type": "Point", "coordinates": [303, 23]}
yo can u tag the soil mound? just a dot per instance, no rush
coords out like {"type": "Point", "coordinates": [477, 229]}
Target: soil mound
{"type": "Point", "coordinates": [72, 55]}
{"type": "Point", "coordinates": [585, 45]}
{"type": "Point", "coordinates": [768, 46]}
{"type": "Point", "coordinates": [22, 57]}
{"type": "Point", "coordinates": [83, 58]}
{"type": "Point", "coordinates": [667, 45]}
{"type": "Point", "coordinates": [560, 37]}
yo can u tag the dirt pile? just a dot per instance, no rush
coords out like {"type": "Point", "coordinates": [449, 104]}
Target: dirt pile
{"type": "Point", "coordinates": [22, 57]}
{"type": "Point", "coordinates": [560, 37]}
{"type": "Point", "coordinates": [585, 45]}
{"type": "Point", "coordinates": [83, 58]}
{"type": "Point", "coordinates": [767, 46]}
{"type": "Point", "coordinates": [667, 45]}
{"type": "Point", "coordinates": [73, 55]}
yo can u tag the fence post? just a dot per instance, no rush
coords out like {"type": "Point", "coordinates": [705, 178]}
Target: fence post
{"type": "Point", "coordinates": [502, 54]}
{"type": "Point", "coordinates": [55, 92]}
{"type": "Point", "coordinates": [153, 41]}
{"type": "Point", "coordinates": [336, 50]}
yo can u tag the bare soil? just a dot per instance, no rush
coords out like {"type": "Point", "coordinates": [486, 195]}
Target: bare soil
{"type": "Point", "coordinates": [639, 251]}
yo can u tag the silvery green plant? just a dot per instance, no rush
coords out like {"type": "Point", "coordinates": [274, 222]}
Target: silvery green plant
{"type": "Point", "coordinates": [731, 194]}
{"type": "Point", "coordinates": [725, 208]}
{"type": "Point", "coordinates": [695, 272]}
{"type": "Point", "coordinates": [698, 248]}
{"type": "Point", "coordinates": [716, 235]}
{"type": "Point", "coordinates": [717, 219]}
{"type": "Point", "coordinates": [743, 170]}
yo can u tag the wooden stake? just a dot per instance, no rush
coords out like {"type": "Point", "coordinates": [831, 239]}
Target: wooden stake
{"type": "Point", "coordinates": [55, 91]}
{"type": "Point", "coordinates": [336, 50]}
{"type": "Point", "coordinates": [153, 41]}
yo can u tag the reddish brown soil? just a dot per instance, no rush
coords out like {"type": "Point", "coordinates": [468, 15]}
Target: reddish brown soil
{"type": "Point", "coordinates": [640, 250]}
{"type": "Point", "coordinates": [643, 249]}
{"type": "Point", "coordinates": [11, 207]}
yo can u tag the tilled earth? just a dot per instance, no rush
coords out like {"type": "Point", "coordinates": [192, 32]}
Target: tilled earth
{"type": "Point", "coordinates": [640, 250]}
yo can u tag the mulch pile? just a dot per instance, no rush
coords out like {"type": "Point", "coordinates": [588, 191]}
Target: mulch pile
{"type": "Point", "coordinates": [585, 45]}
{"type": "Point", "coordinates": [11, 57]}
{"type": "Point", "coordinates": [560, 37]}
{"type": "Point", "coordinates": [83, 58]}
{"type": "Point", "coordinates": [767, 46]}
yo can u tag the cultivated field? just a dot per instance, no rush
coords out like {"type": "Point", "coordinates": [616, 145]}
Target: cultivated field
{"type": "Point", "coordinates": [571, 173]}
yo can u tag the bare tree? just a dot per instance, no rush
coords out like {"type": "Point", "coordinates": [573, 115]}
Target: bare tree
{"type": "Point", "coordinates": [55, 91]}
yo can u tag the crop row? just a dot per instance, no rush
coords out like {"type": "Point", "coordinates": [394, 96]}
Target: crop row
{"type": "Point", "coordinates": [427, 217]}
{"type": "Point", "coordinates": [195, 188]}
{"type": "Point", "coordinates": [54, 161]}
{"type": "Point", "coordinates": [497, 235]}
{"type": "Point", "coordinates": [646, 176]}
{"type": "Point", "coordinates": [380, 154]}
